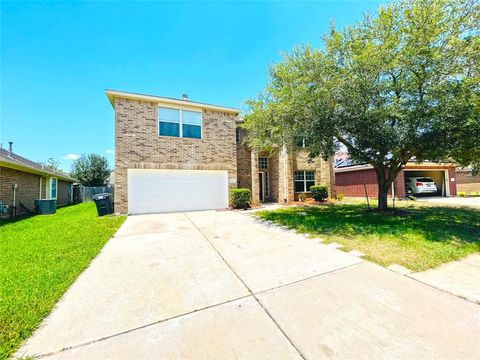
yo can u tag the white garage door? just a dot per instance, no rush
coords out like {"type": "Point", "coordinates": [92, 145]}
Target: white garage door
{"type": "Point", "coordinates": [153, 191]}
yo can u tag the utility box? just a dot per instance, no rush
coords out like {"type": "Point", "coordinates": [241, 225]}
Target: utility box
{"type": "Point", "coordinates": [45, 206]}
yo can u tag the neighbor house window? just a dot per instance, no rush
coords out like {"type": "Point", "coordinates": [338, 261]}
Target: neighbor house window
{"type": "Point", "coordinates": [262, 163]}
{"type": "Point", "coordinates": [180, 123]}
{"type": "Point", "coordinates": [303, 180]}
{"type": "Point", "coordinates": [53, 188]}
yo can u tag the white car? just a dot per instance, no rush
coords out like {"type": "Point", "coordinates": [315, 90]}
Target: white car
{"type": "Point", "coordinates": [421, 185]}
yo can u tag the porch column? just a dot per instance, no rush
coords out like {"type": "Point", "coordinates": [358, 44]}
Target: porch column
{"type": "Point", "coordinates": [255, 182]}
{"type": "Point", "coordinates": [286, 190]}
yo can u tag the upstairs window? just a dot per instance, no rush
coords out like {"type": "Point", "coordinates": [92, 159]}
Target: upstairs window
{"type": "Point", "coordinates": [262, 163]}
{"type": "Point", "coordinates": [301, 142]}
{"type": "Point", "coordinates": [169, 122]}
{"type": "Point", "coordinates": [303, 180]}
{"type": "Point", "coordinates": [179, 123]}
{"type": "Point", "coordinates": [191, 124]}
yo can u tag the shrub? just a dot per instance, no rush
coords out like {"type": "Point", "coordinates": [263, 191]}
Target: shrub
{"type": "Point", "coordinates": [302, 197]}
{"type": "Point", "coordinates": [319, 192]}
{"type": "Point", "coordinates": [340, 196]}
{"type": "Point", "coordinates": [240, 198]}
{"type": "Point", "coordinates": [461, 193]}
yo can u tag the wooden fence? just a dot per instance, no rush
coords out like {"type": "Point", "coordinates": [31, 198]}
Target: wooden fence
{"type": "Point", "coordinates": [85, 193]}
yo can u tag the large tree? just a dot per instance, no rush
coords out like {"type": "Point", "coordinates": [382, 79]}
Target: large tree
{"type": "Point", "coordinates": [400, 85]}
{"type": "Point", "coordinates": [91, 169]}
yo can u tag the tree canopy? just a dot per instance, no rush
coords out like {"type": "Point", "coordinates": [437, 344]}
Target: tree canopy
{"type": "Point", "coordinates": [402, 84]}
{"type": "Point", "coordinates": [91, 169]}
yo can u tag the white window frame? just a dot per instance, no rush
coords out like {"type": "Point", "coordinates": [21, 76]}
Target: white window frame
{"type": "Point", "coordinates": [180, 124]}
{"type": "Point", "coordinates": [304, 181]}
{"type": "Point", "coordinates": [260, 161]}
{"type": "Point", "coordinates": [50, 188]}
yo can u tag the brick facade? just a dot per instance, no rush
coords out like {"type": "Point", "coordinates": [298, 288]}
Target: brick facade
{"type": "Point", "coordinates": [353, 183]}
{"type": "Point", "coordinates": [466, 182]}
{"type": "Point", "coordinates": [29, 188]}
{"type": "Point", "coordinates": [63, 195]}
{"type": "Point", "coordinates": [281, 170]}
{"type": "Point", "coordinates": [244, 163]}
{"type": "Point", "coordinates": [138, 145]}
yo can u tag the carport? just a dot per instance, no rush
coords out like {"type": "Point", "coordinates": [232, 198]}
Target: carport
{"type": "Point", "coordinates": [438, 176]}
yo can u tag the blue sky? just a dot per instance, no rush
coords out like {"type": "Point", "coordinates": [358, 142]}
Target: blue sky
{"type": "Point", "coordinates": [57, 58]}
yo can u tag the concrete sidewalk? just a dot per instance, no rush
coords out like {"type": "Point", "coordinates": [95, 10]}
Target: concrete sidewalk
{"type": "Point", "coordinates": [221, 285]}
{"type": "Point", "coordinates": [461, 277]}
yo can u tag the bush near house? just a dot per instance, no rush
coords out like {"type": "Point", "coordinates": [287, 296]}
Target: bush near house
{"type": "Point", "coordinates": [240, 198]}
{"type": "Point", "coordinates": [468, 194]}
{"type": "Point", "coordinates": [319, 192]}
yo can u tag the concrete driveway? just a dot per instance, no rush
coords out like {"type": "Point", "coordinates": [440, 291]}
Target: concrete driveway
{"type": "Point", "coordinates": [208, 285]}
{"type": "Point", "coordinates": [457, 201]}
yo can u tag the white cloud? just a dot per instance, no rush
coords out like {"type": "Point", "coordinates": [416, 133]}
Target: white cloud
{"type": "Point", "coordinates": [110, 151]}
{"type": "Point", "coordinates": [71, 157]}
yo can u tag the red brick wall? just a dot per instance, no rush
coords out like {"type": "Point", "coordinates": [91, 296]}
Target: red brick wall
{"type": "Point", "coordinates": [351, 183]}
{"type": "Point", "coordinates": [466, 182]}
{"type": "Point", "coordinates": [453, 184]}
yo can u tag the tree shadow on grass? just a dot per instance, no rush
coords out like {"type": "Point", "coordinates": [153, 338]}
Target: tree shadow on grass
{"type": "Point", "coordinates": [436, 224]}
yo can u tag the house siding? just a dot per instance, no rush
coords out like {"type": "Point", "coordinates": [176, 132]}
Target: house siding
{"type": "Point", "coordinates": [244, 163]}
{"type": "Point", "coordinates": [62, 193]}
{"type": "Point", "coordinates": [28, 188]}
{"type": "Point", "coordinates": [138, 145]}
{"type": "Point", "coordinates": [281, 170]}
{"type": "Point", "coordinates": [466, 182]}
{"type": "Point", "coordinates": [323, 169]}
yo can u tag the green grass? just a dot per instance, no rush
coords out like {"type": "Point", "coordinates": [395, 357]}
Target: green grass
{"type": "Point", "coordinates": [40, 257]}
{"type": "Point", "coordinates": [425, 237]}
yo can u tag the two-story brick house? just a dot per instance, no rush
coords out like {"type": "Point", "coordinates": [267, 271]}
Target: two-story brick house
{"type": "Point", "coordinates": [179, 155]}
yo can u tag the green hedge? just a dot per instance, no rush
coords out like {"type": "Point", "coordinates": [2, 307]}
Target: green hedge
{"type": "Point", "coordinates": [240, 198]}
{"type": "Point", "coordinates": [319, 192]}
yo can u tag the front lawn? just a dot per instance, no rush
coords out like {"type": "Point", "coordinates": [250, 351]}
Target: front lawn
{"type": "Point", "coordinates": [424, 237]}
{"type": "Point", "coordinates": [40, 257]}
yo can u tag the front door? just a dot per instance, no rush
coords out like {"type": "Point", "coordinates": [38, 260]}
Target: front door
{"type": "Point", "coordinates": [261, 185]}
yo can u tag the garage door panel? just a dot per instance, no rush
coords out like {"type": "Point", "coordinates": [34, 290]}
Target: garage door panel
{"type": "Point", "coordinates": [151, 191]}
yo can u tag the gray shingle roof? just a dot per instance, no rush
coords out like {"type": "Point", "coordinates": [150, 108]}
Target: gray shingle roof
{"type": "Point", "coordinates": [27, 164]}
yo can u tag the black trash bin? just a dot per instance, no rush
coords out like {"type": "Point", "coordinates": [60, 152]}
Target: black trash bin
{"type": "Point", "coordinates": [104, 203]}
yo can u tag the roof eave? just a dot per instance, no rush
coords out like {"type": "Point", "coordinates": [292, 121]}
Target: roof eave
{"type": "Point", "coordinates": [112, 94]}
{"type": "Point", "coordinates": [13, 165]}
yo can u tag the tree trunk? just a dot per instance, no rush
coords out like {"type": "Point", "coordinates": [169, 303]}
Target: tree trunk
{"type": "Point", "coordinates": [384, 180]}
{"type": "Point", "coordinates": [383, 195]}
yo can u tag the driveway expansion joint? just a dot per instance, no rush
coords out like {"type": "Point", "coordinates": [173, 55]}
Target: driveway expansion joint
{"type": "Point", "coordinates": [249, 290]}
